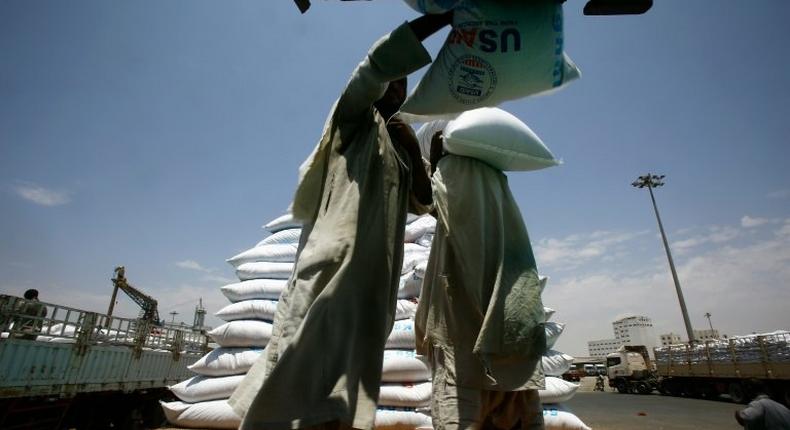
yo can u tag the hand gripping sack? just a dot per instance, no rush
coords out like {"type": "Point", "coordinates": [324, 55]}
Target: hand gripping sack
{"type": "Point", "coordinates": [497, 138]}
{"type": "Point", "coordinates": [497, 50]}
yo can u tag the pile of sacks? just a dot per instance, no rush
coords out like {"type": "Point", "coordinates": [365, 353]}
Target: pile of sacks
{"type": "Point", "coordinates": [263, 272]}
{"type": "Point", "coordinates": [557, 390]}
{"type": "Point", "coordinates": [405, 396]}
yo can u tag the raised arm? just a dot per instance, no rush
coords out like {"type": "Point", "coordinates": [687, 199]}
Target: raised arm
{"type": "Point", "coordinates": [392, 57]}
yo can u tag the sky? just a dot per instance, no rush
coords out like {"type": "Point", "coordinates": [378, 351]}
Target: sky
{"type": "Point", "coordinates": [162, 135]}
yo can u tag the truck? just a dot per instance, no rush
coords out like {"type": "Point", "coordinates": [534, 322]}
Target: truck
{"type": "Point", "coordinates": [707, 369]}
{"type": "Point", "coordinates": [65, 367]}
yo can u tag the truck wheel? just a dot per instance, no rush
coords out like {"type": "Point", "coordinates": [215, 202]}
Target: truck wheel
{"type": "Point", "coordinates": [643, 388]}
{"type": "Point", "coordinates": [621, 386]}
{"type": "Point", "coordinates": [737, 393]}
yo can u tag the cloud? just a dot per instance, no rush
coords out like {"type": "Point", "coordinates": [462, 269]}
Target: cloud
{"type": "Point", "coordinates": [192, 265]}
{"type": "Point", "coordinates": [712, 235]}
{"type": "Point", "coordinates": [749, 222]}
{"type": "Point", "coordinates": [779, 194]}
{"type": "Point", "coordinates": [577, 249]}
{"type": "Point", "coordinates": [40, 195]}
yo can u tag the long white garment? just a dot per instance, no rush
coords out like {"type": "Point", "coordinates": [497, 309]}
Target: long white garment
{"type": "Point", "coordinates": [324, 359]}
{"type": "Point", "coordinates": [480, 302]}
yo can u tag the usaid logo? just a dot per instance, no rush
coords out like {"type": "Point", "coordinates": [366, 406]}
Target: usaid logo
{"type": "Point", "coordinates": [472, 79]}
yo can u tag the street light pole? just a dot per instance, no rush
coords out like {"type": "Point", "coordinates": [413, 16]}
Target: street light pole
{"type": "Point", "coordinates": [707, 315]}
{"type": "Point", "coordinates": [651, 181]}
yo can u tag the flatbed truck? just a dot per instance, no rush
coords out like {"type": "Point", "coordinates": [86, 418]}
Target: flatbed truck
{"type": "Point", "coordinates": [85, 370]}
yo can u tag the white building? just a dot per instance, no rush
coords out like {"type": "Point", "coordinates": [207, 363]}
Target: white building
{"type": "Point", "coordinates": [599, 348]}
{"type": "Point", "coordinates": [633, 330]}
{"type": "Point", "coordinates": [670, 339]}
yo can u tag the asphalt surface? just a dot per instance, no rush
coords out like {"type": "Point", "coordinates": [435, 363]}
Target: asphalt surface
{"type": "Point", "coordinates": [615, 411]}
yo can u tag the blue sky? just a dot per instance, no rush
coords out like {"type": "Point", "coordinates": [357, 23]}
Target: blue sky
{"type": "Point", "coordinates": [162, 135]}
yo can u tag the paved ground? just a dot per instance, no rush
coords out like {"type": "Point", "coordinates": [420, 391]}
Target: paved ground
{"type": "Point", "coordinates": [614, 411]}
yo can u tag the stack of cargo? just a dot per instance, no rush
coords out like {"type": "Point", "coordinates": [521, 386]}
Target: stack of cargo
{"type": "Point", "coordinates": [263, 272]}
{"type": "Point", "coordinates": [755, 348]}
{"type": "Point", "coordinates": [557, 390]}
{"type": "Point", "coordinates": [405, 396]}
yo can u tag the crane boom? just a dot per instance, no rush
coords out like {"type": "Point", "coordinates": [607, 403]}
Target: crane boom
{"type": "Point", "coordinates": [148, 304]}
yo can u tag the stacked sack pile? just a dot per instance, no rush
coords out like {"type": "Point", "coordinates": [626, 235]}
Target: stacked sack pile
{"type": "Point", "coordinates": [557, 390]}
{"type": "Point", "coordinates": [263, 272]}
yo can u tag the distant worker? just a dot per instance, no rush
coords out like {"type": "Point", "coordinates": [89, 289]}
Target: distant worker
{"type": "Point", "coordinates": [322, 368]}
{"type": "Point", "coordinates": [480, 316]}
{"type": "Point", "coordinates": [599, 383]}
{"type": "Point", "coordinates": [763, 413]}
{"type": "Point", "coordinates": [27, 328]}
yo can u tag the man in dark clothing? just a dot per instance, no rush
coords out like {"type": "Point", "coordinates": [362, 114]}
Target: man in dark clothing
{"type": "Point", "coordinates": [27, 328]}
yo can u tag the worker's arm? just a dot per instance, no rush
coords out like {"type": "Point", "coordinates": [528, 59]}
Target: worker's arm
{"type": "Point", "coordinates": [403, 135]}
{"type": "Point", "coordinates": [392, 57]}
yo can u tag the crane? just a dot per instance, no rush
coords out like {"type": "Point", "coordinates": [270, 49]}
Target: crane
{"type": "Point", "coordinates": [148, 305]}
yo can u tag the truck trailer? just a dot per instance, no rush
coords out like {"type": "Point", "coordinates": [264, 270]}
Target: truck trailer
{"type": "Point", "coordinates": [707, 369]}
{"type": "Point", "coordinates": [71, 368]}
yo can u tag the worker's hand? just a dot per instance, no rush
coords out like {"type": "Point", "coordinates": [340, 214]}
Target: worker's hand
{"type": "Point", "coordinates": [428, 24]}
{"type": "Point", "coordinates": [437, 150]}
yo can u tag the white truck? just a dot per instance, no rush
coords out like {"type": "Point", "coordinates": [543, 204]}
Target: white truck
{"type": "Point", "coordinates": [78, 369]}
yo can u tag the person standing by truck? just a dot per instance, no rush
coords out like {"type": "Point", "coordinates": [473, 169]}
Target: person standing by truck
{"type": "Point", "coordinates": [28, 328]}
{"type": "Point", "coordinates": [480, 315]}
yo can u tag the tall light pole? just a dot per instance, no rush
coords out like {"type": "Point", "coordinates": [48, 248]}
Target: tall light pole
{"type": "Point", "coordinates": [707, 315]}
{"type": "Point", "coordinates": [652, 181]}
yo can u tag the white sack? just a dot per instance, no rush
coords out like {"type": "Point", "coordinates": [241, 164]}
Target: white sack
{"type": "Point", "coordinates": [275, 253]}
{"type": "Point", "coordinates": [402, 335]}
{"type": "Point", "coordinates": [418, 228]}
{"type": "Point", "coordinates": [553, 332]}
{"type": "Point", "coordinates": [556, 363]}
{"type": "Point", "coordinates": [556, 417]}
{"type": "Point", "coordinates": [242, 333]}
{"type": "Point", "coordinates": [282, 222]}
{"type": "Point", "coordinates": [249, 310]}
{"type": "Point", "coordinates": [557, 390]}
{"type": "Point", "coordinates": [402, 365]}
{"type": "Point", "coordinates": [405, 395]}
{"type": "Point", "coordinates": [254, 289]}
{"type": "Point", "coordinates": [413, 256]}
{"type": "Point", "coordinates": [216, 414]}
{"type": "Point", "coordinates": [410, 285]}
{"type": "Point", "coordinates": [287, 236]}
{"type": "Point", "coordinates": [405, 309]}
{"type": "Point", "coordinates": [548, 313]}
{"type": "Point", "coordinates": [226, 361]}
{"type": "Point", "coordinates": [202, 388]}
{"type": "Point", "coordinates": [264, 270]}
{"type": "Point", "coordinates": [393, 419]}
{"type": "Point", "coordinates": [497, 138]}
{"type": "Point", "coordinates": [496, 51]}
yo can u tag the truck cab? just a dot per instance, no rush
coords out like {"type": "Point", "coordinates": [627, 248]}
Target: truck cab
{"type": "Point", "coordinates": [629, 370]}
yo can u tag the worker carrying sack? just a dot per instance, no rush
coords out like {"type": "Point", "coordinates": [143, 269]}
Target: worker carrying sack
{"type": "Point", "coordinates": [497, 50]}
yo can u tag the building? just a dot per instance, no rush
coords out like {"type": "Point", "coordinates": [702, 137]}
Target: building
{"type": "Point", "coordinates": [707, 334]}
{"type": "Point", "coordinates": [632, 330]}
{"type": "Point", "coordinates": [670, 339]}
{"type": "Point", "coordinates": [600, 348]}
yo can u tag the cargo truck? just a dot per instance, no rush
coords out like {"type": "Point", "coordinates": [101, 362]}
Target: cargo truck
{"type": "Point", "coordinates": [72, 368]}
{"type": "Point", "coordinates": [707, 369]}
